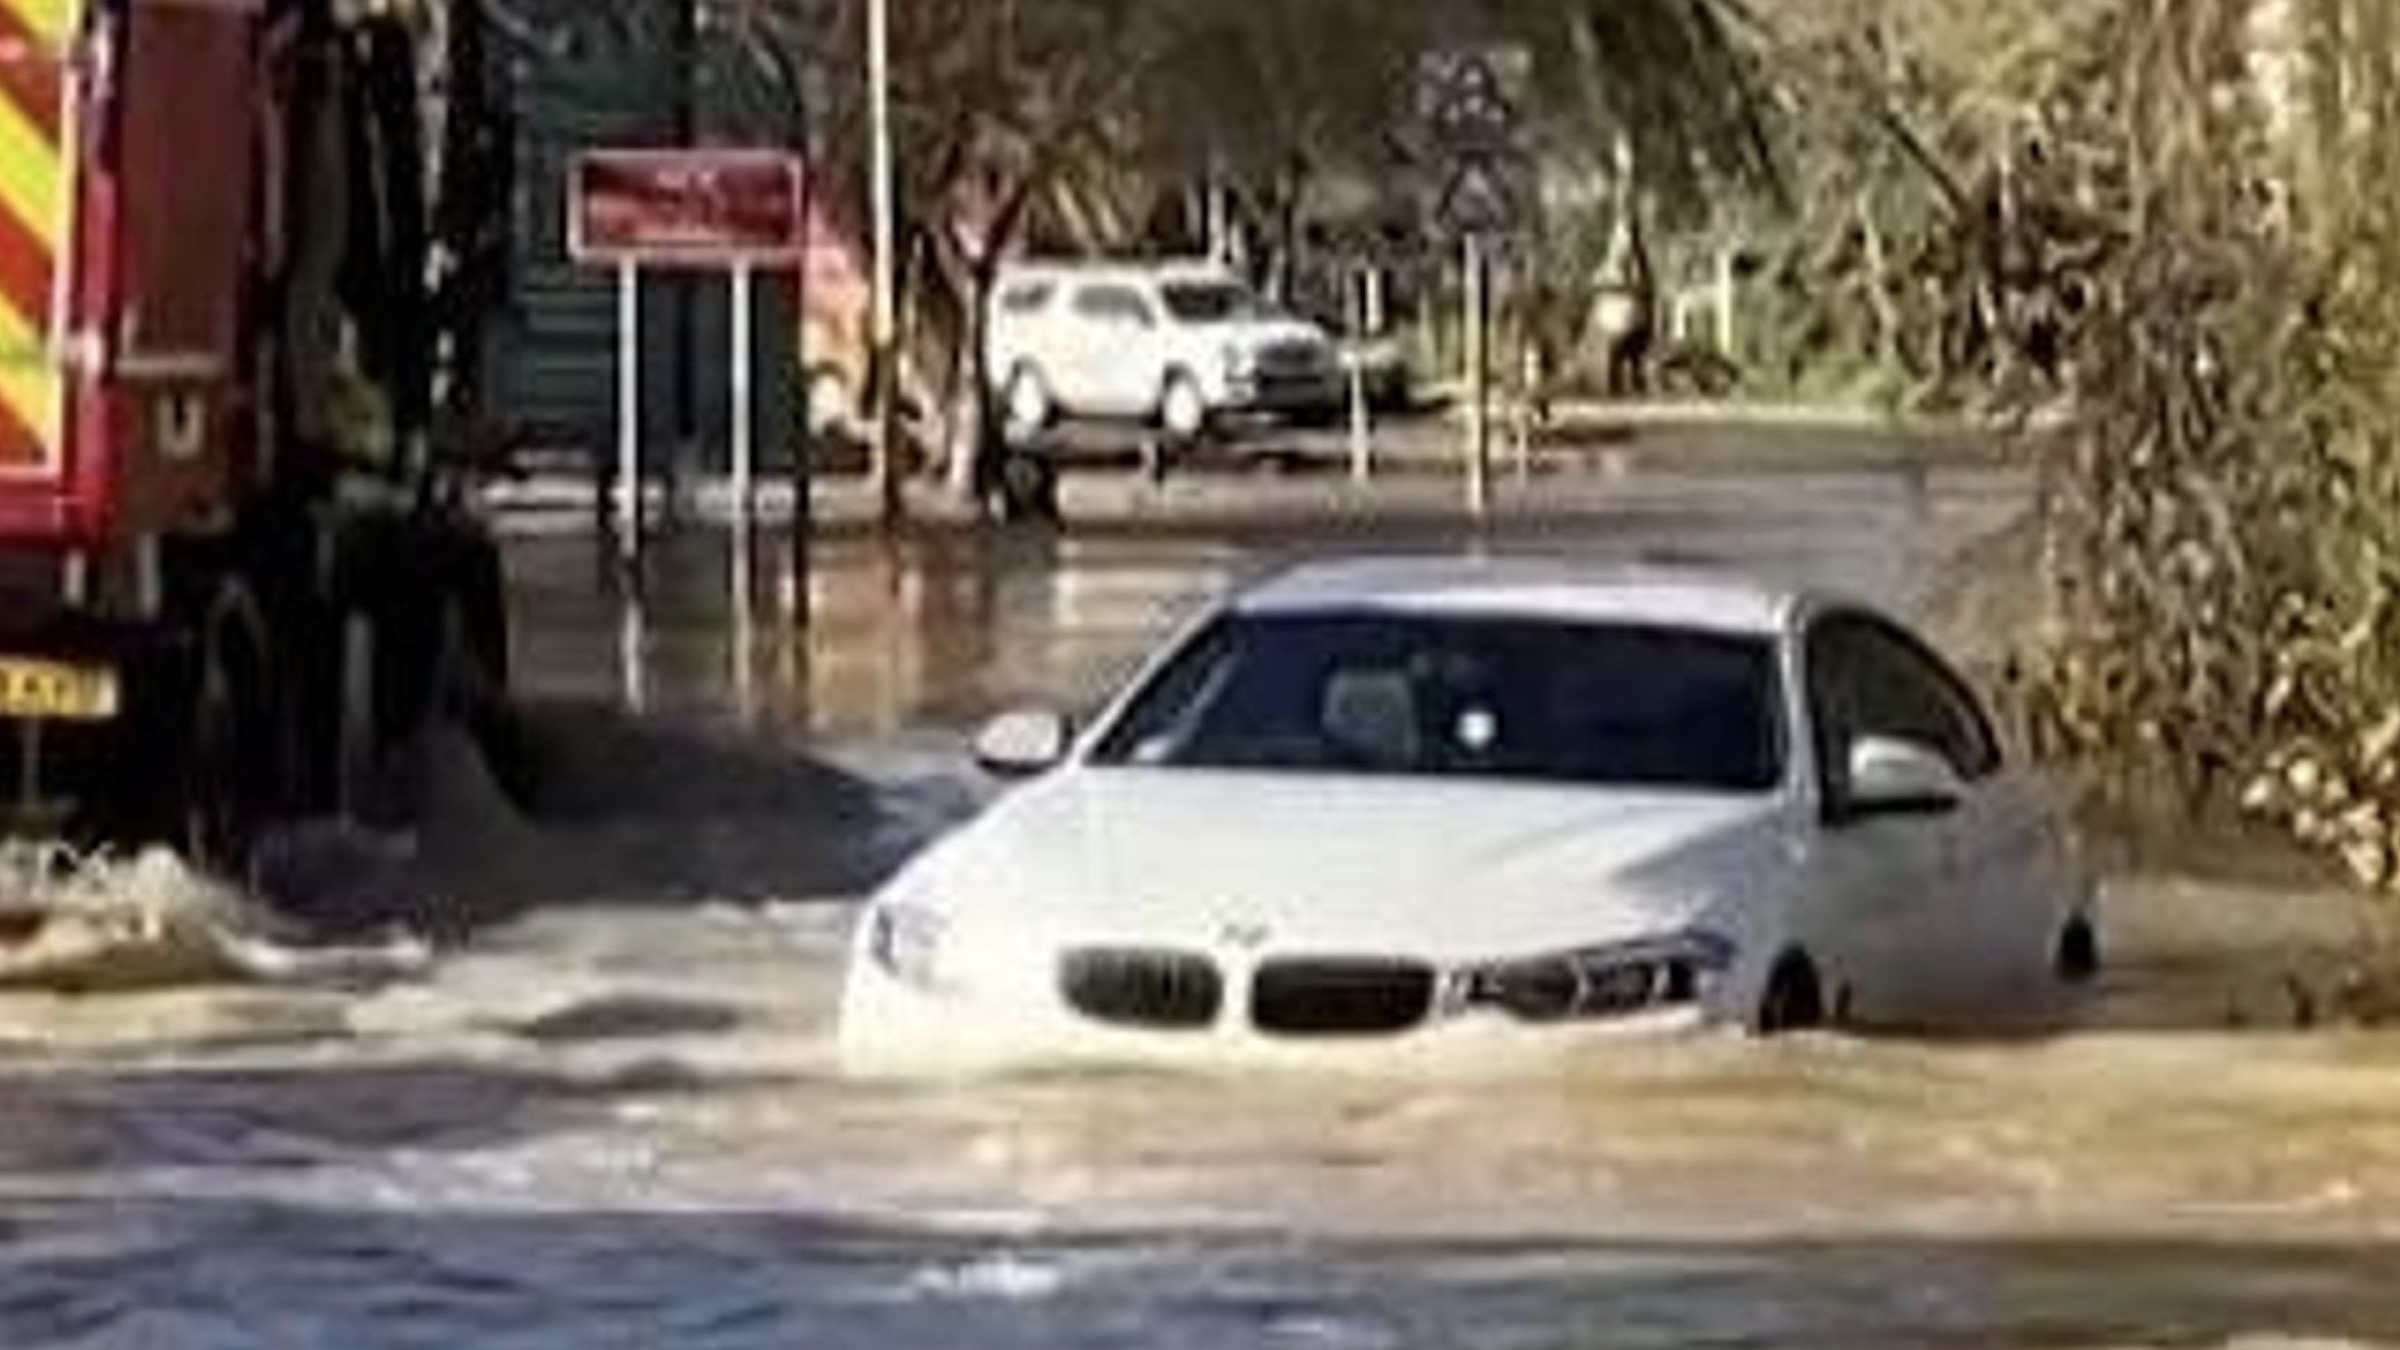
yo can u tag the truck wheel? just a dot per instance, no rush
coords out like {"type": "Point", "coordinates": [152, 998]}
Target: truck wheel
{"type": "Point", "coordinates": [358, 743]}
{"type": "Point", "coordinates": [464, 687]}
{"type": "Point", "coordinates": [420, 657]}
{"type": "Point", "coordinates": [233, 756]}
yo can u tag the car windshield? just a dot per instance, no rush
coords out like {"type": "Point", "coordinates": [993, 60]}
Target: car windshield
{"type": "Point", "coordinates": [1418, 696]}
{"type": "Point", "coordinates": [1210, 301]}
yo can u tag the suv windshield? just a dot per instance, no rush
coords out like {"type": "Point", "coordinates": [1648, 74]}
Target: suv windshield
{"type": "Point", "coordinates": [1433, 696]}
{"type": "Point", "coordinates": [1210, 301]}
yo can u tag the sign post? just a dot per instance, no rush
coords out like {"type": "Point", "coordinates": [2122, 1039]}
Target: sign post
{"type": "Point", "coordinates": [629, 411]}
{"type": "Point", "coordinates": [740, 582]}
{"type": "Point", "coordinates": [884, 318]}
{"type": "Point", "coordinates": [743, 400]}
{"type": "Point", "coordinates": [1471, 102]}
{"type": "Point", "coordinates": [708, 210]}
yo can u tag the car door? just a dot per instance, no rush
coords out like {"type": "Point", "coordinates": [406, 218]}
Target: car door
{"type": "Point", "coordinates": [1996, 922]}
{"type": "Point", "coordinates": [1943, 898]}
{"type": "Point", "coordinates": [1106, 364]}
{"type": "Point", "coordinates": [1880, 879]}
{"type": "Point", "coordinates": [1025, 313]}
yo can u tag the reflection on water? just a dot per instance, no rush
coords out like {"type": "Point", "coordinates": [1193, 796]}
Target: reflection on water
{"type": "Point", "coordinates": [633, 653]}
{"type": "Point", "coordinates": [938, 626]}
{"type": "Point", "coordinates": [877, 637]}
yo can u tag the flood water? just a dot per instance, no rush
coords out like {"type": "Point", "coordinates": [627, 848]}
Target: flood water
{"type": "Point", "coordinates": [610, 1117]}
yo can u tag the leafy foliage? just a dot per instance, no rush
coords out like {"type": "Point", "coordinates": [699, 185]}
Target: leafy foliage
{"type": "Point", "coordinates": [2209, 274]}
{"type": "Point", "coordinates": [1078, 125]}
{"type": "Point", "coordinates": [2166, 227]}
{"type": "Point", "coordinates": [1901, 122]}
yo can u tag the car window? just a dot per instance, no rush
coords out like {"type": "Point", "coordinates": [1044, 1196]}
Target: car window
{"type": "Point", "coordinates": [1867, 678]}
{"type": "Point", "coordinates": [1026, 297]}
{"type": "Point", "coordinates": [1210, 301]}
{"type": "Point", "coordinates": [1113, 304]}
{"type": "Point", "coordinates": [1398, 694]}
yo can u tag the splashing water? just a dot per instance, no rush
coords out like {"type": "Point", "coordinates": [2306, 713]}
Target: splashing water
{"type": "Point", "coordinates": [85, 923]}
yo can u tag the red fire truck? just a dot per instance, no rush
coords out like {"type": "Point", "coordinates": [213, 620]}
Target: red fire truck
{"type": "Point", "coordinates": [235, 573]}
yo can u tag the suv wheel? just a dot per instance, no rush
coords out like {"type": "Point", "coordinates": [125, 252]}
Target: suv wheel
{"type": "Point", "coordinates": [1026, 404]}
{"type": "Point", "coordinates": [1182, 408]}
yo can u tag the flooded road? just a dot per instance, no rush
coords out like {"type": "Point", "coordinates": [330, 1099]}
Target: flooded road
{"type": "Point", "coordinates": [939, 626]}
{"type": "Point", "coordinates": [611, 1117]}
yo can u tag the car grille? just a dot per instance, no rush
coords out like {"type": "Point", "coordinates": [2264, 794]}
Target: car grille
{"type": "Point", "coordinates": [1340, 997]}
{"type": "Point", "coordinates": [1155, 990]}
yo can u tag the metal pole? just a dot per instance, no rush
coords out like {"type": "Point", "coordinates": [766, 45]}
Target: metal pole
{"type": "Point", "coordinates": [681, 461]}
{"type": "Point", "coordinates": [803, 524]}
{"type": "Point", "coordinates": [1362, 427]}
{"type": "Point", "coordinates": [1479, 381]}
{"type": "Point", "coordinates": [629, 411]}
{"type": "Point", "coordinates": [885, 331]}
{"type": "Point", "coordinates": [744, 497]}
{"type": "Point", "coordinates": [745, 501]}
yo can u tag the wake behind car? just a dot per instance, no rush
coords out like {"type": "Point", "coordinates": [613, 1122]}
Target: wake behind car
{"type": "Point", "coordinates": [1451, 807]}
{"type": "Point", "coordinates": [1182, 346]}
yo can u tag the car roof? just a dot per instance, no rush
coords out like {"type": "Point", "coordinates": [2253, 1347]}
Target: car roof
{"type": "Point", "coordinates": [1567, 590]}
{"type": "Point", "coordinates": [1163, 271]}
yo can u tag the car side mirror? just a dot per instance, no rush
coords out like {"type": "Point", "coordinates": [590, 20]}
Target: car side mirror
{"type": "Point", "coordinates": [1894, 777]}
{"type": "Point", "coordinates": [1023, 744]}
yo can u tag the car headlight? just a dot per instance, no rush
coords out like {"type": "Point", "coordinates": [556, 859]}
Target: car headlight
{"type": "Point", "coordinates": [1241, 363]}
{"type": "Point", "coordinates": [907, 944]}
{"type": "Point", "coordinates": [1597, 983]}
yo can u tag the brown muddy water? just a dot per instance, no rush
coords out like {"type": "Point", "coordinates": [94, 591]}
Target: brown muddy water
{"type": "Point", "coordinates": [609, 1117]}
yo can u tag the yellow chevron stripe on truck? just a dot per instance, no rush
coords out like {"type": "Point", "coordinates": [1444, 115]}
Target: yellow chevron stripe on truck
{"type": "Point", "coordinates": [36, 211]}
{"type": "Point", "coordinates": [53, 21]}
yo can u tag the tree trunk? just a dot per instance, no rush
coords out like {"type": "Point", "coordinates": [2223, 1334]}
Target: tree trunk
{"type": "Point", "coordinates": [1879, 287]}
{"type": "Point", "coordinates": [977, 441]}
{"type": "Point", "coordinates": [1287, 229]}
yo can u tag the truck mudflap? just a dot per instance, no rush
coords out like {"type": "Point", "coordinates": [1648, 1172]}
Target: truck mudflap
{"type": "Point", "coordinates": [96, 744]}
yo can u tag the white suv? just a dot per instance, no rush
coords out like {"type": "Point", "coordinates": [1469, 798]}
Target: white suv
{"type": "Point", "coordinates": [1180, 345]}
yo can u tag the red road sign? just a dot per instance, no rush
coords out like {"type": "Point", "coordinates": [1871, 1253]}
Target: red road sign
{"type": "Point", "coordinates": [685, 208]}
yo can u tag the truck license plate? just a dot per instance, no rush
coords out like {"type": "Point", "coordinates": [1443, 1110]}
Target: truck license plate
{"type": "Point", "coordinates": [57, 691]}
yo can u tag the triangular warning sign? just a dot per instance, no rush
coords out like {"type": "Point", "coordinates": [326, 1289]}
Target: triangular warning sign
{"type": "Point", "coordinates": [1477, 198]}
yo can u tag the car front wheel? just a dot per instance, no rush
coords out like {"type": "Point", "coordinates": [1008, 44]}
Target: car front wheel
{"type": "Point", "coordinates": [1794, 1000]}
{"type": "Point", "coordinates": [2078, 959]}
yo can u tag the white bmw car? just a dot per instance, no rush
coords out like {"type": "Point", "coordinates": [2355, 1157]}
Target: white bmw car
{"type": "Point", "coordinates": [1444, 807]}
